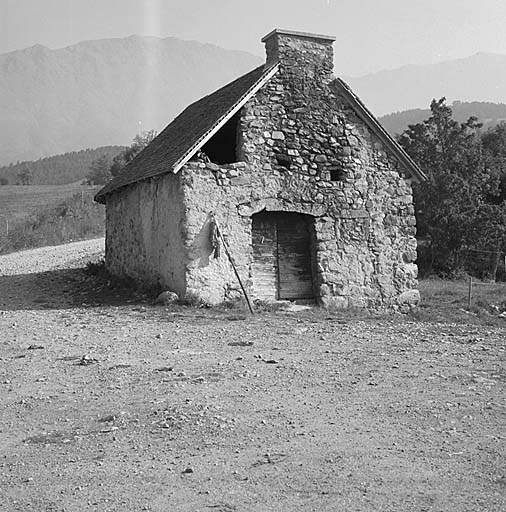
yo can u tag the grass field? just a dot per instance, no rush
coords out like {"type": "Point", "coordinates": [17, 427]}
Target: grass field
{"type": "Point", "coordinates": [17, 202]}
{"type": "Point", "coordinates": [76, 217]}
{"type": "Point", "coordinates": [448, 301]}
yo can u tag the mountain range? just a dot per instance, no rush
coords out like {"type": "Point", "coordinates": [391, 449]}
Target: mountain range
{"type": "Point", "coordinates": [104, 92]}
{"type": "Point", "coordinates": [481, 77]}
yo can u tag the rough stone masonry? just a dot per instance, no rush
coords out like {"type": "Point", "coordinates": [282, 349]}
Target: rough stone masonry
{"type": "Point", "coordinates": [300, 147]}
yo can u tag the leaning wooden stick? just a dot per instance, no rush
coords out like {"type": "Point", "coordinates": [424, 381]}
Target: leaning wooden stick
{"type": "Point", "coordinates": [225, 246]}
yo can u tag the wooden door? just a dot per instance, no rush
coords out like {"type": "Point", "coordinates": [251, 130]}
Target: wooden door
{"type": "Point", "coordinates": [281, 256]}
{"type": "Point", "coordinates": [265, 265]}
{"type": "Point", "coordinates": [295, 280]}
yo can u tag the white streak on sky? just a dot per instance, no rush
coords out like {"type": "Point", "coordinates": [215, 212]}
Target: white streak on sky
{"type": "Point", "coordinates": [151, 25]}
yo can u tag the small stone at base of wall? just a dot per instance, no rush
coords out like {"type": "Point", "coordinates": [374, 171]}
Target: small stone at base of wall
{"type": "Point", "coordinates": [408, 299]}
{"type": "Point", "coordinates": [167, 297]}
{"type": "Point", "coordinates": [330, 302]}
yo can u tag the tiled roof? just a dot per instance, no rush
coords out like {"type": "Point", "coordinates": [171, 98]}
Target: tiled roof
{"type": "Point", "coordinates": [367, 117]}
{"type": "Point", "coordinates": [188, 131]}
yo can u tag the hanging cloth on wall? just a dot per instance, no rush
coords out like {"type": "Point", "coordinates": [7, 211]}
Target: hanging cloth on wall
{"type": "Point", "coordinates": [215, 239]}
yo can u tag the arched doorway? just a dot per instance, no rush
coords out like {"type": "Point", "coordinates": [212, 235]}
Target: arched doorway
{"type": "Point", "coordinates": [281, 266]}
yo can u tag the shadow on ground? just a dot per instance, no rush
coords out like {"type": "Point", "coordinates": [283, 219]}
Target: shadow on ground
{"type": "Point", "coordinates": [61, 289]}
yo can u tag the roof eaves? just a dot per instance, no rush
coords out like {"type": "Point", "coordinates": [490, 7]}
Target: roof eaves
{"type": "Point", "coordinates": [229, 114]}
{"type": "Point", "coordinates": [363, 112]}
{"type": "Point", "coordinates": [265, 76]}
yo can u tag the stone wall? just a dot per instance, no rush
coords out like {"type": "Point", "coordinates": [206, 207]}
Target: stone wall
{"type": "Point", "coordinates": [212, 191]}
{"type": "Point", "coordinates": [144, 233]}
{"type": "Point", "coordinates": [339, 172]}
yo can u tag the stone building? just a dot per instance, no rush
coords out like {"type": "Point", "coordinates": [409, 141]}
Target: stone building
{"type": "Point", "coordinates": [312, 196]}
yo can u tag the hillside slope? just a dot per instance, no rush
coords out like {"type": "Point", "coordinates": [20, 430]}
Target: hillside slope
{"type": "Point", "coordinates": [103, 92]}
{"type": "Point", "coordinates": [58, 169]}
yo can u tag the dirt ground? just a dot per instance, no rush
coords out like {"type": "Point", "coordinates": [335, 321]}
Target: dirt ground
{"type": "Point", "coordinates": [110, 403]}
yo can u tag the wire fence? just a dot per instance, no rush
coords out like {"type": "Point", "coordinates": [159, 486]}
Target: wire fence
{"type": "Point", "coordinates": [474, 284]}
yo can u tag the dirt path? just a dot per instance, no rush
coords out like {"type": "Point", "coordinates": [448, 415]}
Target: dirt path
{"type": "Point", "coordinates": [107, 405]}
{"type": "Point", "coordinates": [46, 277]}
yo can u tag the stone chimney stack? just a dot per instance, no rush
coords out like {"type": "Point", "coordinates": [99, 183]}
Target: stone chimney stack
{"type": "Point", "coordinates": [301, 53]}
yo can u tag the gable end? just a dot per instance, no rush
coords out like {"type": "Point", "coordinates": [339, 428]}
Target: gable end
{"type": "Point", "coordinates": [374, 125]}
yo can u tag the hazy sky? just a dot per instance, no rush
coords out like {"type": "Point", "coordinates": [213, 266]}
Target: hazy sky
{"type": "Point", "coordinates": [371, 34]}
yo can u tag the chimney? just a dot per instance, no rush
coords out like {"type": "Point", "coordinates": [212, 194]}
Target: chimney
{"type": "Point", "coordinates": [301, 53]}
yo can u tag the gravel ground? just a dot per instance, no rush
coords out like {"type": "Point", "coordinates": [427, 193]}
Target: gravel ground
{"type": "Point", "coordinates": [57, 257]}
{"type": "Point", "coordinates": [109, 403]}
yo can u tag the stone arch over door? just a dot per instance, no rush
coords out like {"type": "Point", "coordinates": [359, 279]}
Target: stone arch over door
{"type": "Point", "coordinates": [283, 251]}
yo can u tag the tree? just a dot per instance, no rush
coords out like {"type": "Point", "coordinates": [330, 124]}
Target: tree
{"type": "Point", "coordinates": [489, 233]}
{"type": "Point", "coordinates": [494, 152]}
{"type": "Point", "coordinates": [25, 177]}
{"type": "Point", "coordinates": [99, 171]}
{"type": "Point", "coordinates": [454, 201]}
{"type": "Point", "coordinates": [139, 142]}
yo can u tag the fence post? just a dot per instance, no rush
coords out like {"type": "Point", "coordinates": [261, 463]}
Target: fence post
{"type": "Point", "coordinates": [470, 293]}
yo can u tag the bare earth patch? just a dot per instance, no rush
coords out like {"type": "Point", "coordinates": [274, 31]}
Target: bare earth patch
{"type": "Point", "coordinates": [108, 403]}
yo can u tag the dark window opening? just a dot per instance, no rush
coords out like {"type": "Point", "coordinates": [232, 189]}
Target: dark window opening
{"type": "Point", "coordinates": [221, 148]}
{"type": "Point", "coordinates": [337, 174]}
{"type": "Point", "coordinates": [284, 160]}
